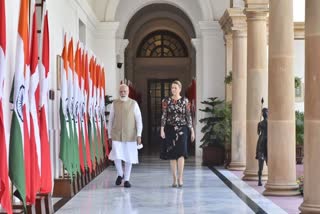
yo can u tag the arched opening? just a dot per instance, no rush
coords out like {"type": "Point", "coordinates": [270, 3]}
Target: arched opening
{"type": "Point", "coordinates": [159, 52]}
{"type": "Point", "coordinates": [162, 44]}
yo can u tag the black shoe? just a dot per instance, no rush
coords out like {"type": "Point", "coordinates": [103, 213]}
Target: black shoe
{"type": "Point", "coordinates": [127, 184]}
{"type": "Point", "coordinates": [119, 180]}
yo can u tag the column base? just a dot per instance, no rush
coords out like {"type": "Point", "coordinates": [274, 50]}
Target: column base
{"type": "Point", "coordinates": [309, 208]}
{"type": "Point", "coordinates": [237, 166]}
{"type": "Point", "coordinates": [281, 190]}
{"type": "Point", "coordinates": [252, 175]}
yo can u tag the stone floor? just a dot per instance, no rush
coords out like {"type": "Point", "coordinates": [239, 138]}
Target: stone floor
{"type": "Point", "coordinates": [205, 190]}
{"type": "Point", "coordinates": [289, 204]}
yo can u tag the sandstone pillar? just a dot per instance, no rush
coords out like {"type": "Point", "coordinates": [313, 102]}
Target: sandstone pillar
{"type": "Point", "coordinates": [257, 79]}
{"type": "Point", "coordinates": [281, 123]}
{"type": "Point", "coordinates": [234, 22]}
{"type": "Point", "coordinates": [311, 197]}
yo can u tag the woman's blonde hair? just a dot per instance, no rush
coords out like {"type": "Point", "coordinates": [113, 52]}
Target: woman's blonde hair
{"type": "Point", "coordinates": [177, 82]}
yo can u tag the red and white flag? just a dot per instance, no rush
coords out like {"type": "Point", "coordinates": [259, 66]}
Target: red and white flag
{"type": "Point", "coordinates": [86, 98]}
{"type": "Point", "coordinates": [5, 199]}
{"type": "Point", "coordinates": [34, 99]}
{"type": "Point", "coordinates": [46, 177]}
{"type": "Point", "coordinates": [77, 106]}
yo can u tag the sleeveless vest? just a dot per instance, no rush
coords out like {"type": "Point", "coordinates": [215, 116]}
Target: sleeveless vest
{"type": "Point", "coordinates": [124, 124]}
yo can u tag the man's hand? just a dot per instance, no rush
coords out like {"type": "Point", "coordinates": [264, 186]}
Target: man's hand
{"type": "Point", "coordinates": [139, 140]}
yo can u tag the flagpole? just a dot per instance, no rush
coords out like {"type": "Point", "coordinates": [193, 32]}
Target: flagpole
{"type": "Point", "coordinates": [11, 187]}
{"type": "Point", "coordinates": [62, 171]}
{"type": "Point", "coordinates": [64, 35]}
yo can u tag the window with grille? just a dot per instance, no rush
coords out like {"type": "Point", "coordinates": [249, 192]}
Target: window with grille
{"type": "Point", "coordinates": [162, 44]}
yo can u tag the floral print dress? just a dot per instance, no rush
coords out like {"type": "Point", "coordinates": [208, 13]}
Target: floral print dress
{"type": "Point", "coordinates": [176, 120]}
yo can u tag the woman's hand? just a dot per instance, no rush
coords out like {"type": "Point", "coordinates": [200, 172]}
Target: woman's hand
{"type": "Point", "coordinates": [192, 135]}
{"type": "Point", "coordinates": [162, 134]}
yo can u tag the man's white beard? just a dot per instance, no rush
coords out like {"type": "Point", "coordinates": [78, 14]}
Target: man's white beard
{"type": "Point", "coordinates": [124, 98]}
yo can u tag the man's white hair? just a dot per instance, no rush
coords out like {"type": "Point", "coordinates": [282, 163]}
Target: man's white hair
{"type": "Point", "coordinates": [124, 86]}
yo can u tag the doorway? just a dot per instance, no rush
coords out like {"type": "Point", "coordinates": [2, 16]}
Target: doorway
{"type": "Point", "coordinates": [157, 90]}
{"type": "Point", "coordinates": [159, 51]}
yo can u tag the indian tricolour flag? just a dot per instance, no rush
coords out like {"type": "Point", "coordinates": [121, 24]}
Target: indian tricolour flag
{"type": "Point", "coordinates": [64, 117]}
{"type": "Point", "coordinates": [77, 106]}
{"type": "Point", "coordinates": [16, 148]}
{"type": "Point", "coordinates": [71, 96]}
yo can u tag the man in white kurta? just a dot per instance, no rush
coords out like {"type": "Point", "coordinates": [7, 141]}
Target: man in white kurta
{"type": "Point", "coordinates": [125, 128]}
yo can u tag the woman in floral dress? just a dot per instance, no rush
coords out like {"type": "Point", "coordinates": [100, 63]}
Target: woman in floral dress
{"type": "Point", "coordinates": [176, 122]}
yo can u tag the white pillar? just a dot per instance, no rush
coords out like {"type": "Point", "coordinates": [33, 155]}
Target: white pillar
{"type": "Point", "coordinates": [208, 69]}
{"type": "Point", "coordinates": [212, 45]}
{"type": "Point", "coordinates": [199, 88]}
{"type": "Point", "coordinates": [105, 48]}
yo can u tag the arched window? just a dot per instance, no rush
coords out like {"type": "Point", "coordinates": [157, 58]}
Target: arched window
{"type": "Point", "coordinates": [162, 44]}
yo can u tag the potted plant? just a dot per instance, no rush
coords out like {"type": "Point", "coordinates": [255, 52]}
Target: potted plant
{"type": "Point", "coordinates": [228, 86]}
{"type": "Point", "coordinates": [228, 78]}
{"type": "Point", "coordinates": [216, 129]}
{"type": "Point", "coordinates": [297, 86]}
{"type": "Point", "coordinates": [297, 82]}
{"type": "Point", "coordinates": [300, 182]}
{"type": "Point", "coordinates": [299, 136]}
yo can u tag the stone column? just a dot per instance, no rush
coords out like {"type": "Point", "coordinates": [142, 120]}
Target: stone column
{"type": "Point", "coordinates": [197, 44]}
{"type": "Point", "coordinates": [106, 48]}
{"type": "Point", "coordinates": [212, 42]}
{"type": "Point", "coordinates": [281, 123]}
{"type": "Point", "coordinates": [234, 21]}
{"type": "Point", "coordinates": [311, 197]}
{"type": "Point", "coordinates": [208, 69]}
{"type": "Point", "coordinates": [257, 79]}
{"type": "Point", "coordinates": [239, 98]}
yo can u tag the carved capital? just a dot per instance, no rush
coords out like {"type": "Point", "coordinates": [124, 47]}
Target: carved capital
{"type": "Point", "coordinates": [233, 19]}
{"type": "Point", "coordinates": [228, 39]}
{"type": "Point", "coordinates": [256, 9]}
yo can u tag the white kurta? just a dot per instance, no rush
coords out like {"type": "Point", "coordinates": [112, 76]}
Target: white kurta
{"type": "Point", "coordinates": [126, 151]}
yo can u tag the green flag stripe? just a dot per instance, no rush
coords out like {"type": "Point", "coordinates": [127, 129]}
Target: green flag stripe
{"type": "Point", "coordinates": [16, 162]}
{"type": "Point", "coordinates": [64, 141]}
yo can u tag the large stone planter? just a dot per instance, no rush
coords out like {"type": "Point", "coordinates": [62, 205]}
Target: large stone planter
{"type": "Point", "coordinates": [227, 153]}
{"type": "Point", "coordinates": [213, 155]}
